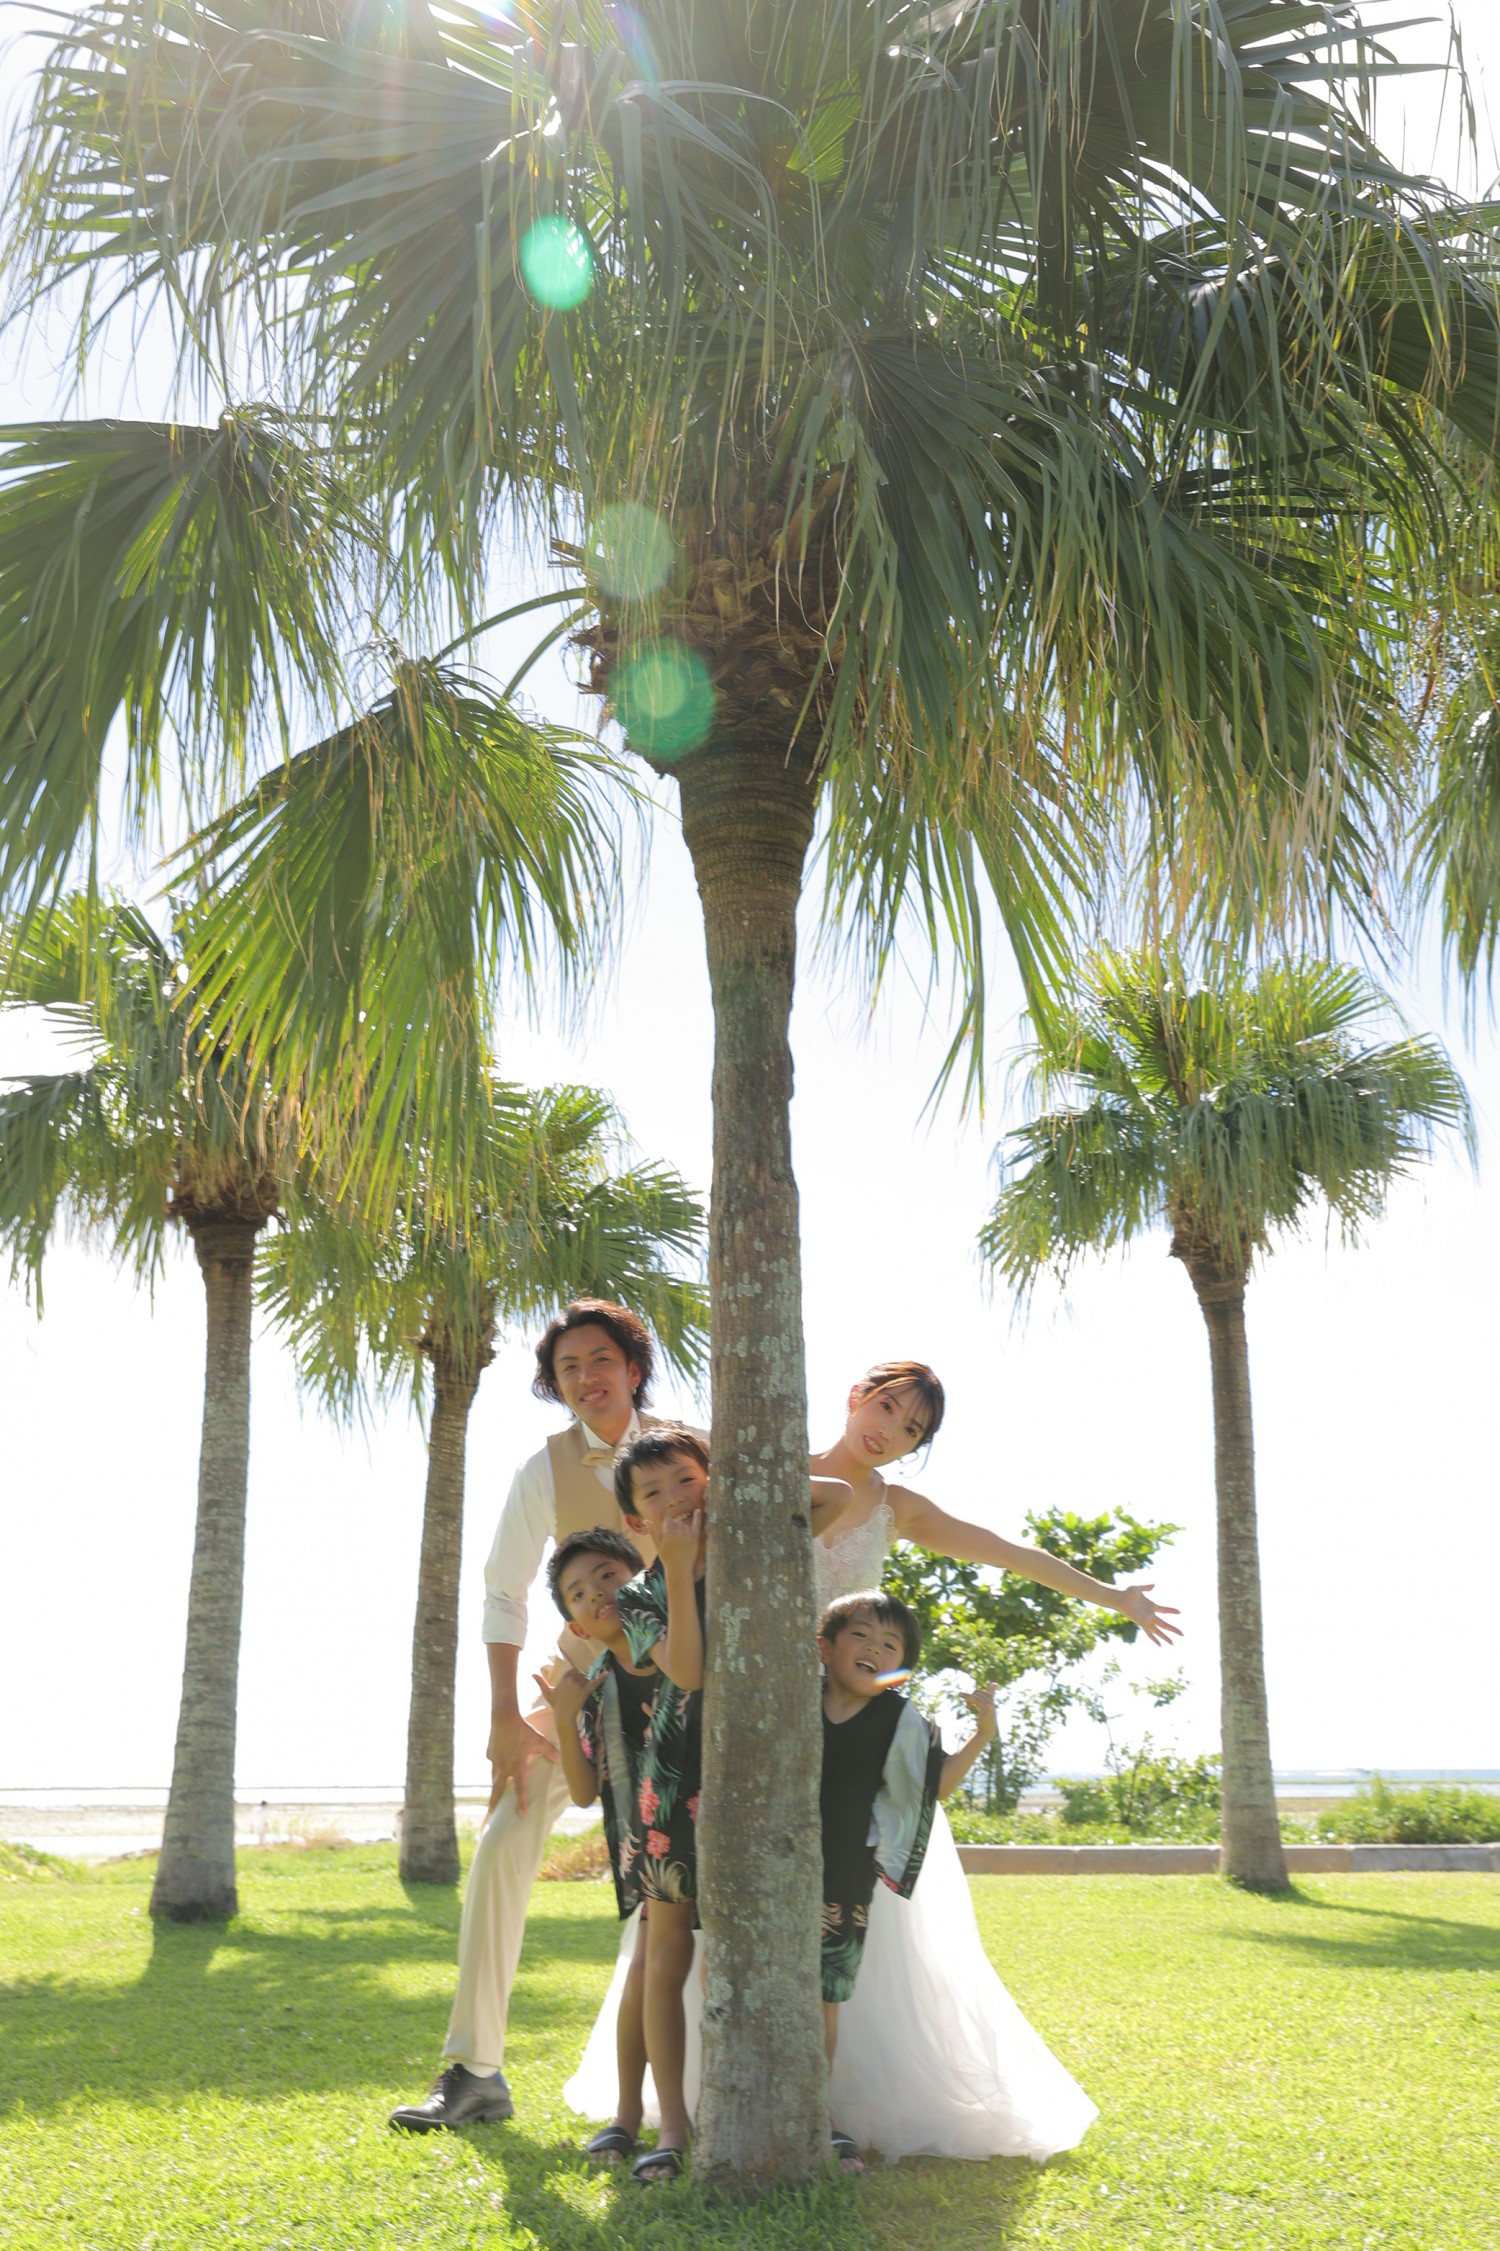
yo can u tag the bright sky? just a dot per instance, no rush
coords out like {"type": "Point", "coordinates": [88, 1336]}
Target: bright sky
{"type": "Point", "coordinates": [1372, 1373]}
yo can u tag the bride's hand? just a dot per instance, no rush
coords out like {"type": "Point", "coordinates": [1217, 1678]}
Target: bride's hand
{"type": "Point", "coordinates": [1153, 1618]}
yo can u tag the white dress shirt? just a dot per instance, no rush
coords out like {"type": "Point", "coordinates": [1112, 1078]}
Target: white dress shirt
{"type": "Point", "coordinates": [527, 1522]}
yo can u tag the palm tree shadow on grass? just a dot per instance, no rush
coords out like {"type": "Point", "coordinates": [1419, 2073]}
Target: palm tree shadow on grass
{"type": "Point", "coordinates": [978, 2204]}
{"type": "Point", "coordinates": [328, 2005]}
{"type": "Point", "coordinates": [281, 2002]}
{"type": "Point", "coordinates": [543, 2189]}
{"type": "Point", "coordinates": [435, 1904]}
{"type": "Point", "coordinates": [1411, 1941]}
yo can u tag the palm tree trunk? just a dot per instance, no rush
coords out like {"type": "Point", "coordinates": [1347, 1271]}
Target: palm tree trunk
{"type": "Point", "coordinates": [195, 1876]}
{"type": "Point", "coordinates": [1251, 1852]}
{"type": "Point", "coordinates": [429, 1840]}
{"type": "Point", "coordinates": [747, 816]}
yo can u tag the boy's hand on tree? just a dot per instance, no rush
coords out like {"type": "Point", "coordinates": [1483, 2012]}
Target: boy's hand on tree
{"type": "Point", "coordinates": [678, 1545]}
{"type": "Point", "coordinates": [1153, 1618]}
{"type": "Point", "coordinates": [981, 1702]}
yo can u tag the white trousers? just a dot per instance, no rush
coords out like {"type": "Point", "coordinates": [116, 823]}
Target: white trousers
{"type": "Point", "coordinates": [504, 1868]}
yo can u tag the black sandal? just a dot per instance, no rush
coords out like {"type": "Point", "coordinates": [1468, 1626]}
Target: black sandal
{"type": "Point", "coordinates": [667, 2164]}
{"type": "Point", "coordinates": [612, 2145]}
{"type": "Point", "coordinates": [848, 2153]}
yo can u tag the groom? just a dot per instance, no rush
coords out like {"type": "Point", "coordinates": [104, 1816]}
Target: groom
{"type": "Point", "coordinates": [596, 1359]}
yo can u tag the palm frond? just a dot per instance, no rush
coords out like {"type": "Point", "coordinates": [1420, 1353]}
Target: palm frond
{"type": "Point", "coordinates": [363, 906]}
{"type": "Point", "coordinates": [367, 1299]}
{"type": "Point", "coordinates": [1456, 855]}
{"type": "Point", "coordinates": [187, 581]}
{"type": "Point", "coordinates": [154, 1123]}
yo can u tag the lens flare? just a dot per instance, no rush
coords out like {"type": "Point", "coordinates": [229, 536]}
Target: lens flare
{"type": "Point", "coordinates": [635, 39]}
{"type": "Point", "coordinates": [630, 551]}
{"type": "Point", "coordinates": [895, 1679]}
{"type": "Point", "coordinates": [664, 699]}
{"type": "Point", "coordinates": [557, 264]}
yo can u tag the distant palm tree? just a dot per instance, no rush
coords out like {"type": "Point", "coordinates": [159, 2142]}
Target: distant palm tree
{"type": "Point", "coordinates": [1224, 1109]}
{"type": "Point", "coordinates": [155, 1128]}
{"type": "Point", "coordinates": [416, 1303]}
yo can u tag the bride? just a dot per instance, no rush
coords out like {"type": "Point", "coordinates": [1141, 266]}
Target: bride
{"type": "Point", "coordinates": [975, 2081]}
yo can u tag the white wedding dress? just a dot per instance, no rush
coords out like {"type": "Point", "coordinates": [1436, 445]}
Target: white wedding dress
{"type": "Point", "coordinates": [934, 2058]}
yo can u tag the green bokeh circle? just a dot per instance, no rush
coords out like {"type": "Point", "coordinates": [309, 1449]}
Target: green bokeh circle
{"type": "Point", "coordinates": [665, 699]}
{"type": "Point", "coordinates": [557, 264]}
{"type": "Point", "coordinates": [631, 551]}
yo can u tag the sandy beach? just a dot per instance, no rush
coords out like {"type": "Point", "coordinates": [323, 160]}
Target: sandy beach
{"type": "Point", "coordinates": [107, 1831]}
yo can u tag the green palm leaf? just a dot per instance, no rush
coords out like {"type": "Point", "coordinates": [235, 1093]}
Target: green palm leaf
{"type": "Point", "coordinates": [154, 1123]}
{"type": "Point", "coordinates": [1456, 845]}
{"type": "Point", "coordinates": [361, 906]}
{"type": "Point", "coordinates": [173, 577]}
{"type": "Point", "coordinates": [550, 1218]}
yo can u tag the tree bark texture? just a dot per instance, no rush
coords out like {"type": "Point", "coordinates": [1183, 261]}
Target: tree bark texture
{"type": "Point", "coordinates": [1251, 1850]}
{"type": "Point", "coordinates": [747, 816]}
{"type": "Point", "coordinates": [195, 1875]}
{"type": "Point", "coordinates": [429, 1838]}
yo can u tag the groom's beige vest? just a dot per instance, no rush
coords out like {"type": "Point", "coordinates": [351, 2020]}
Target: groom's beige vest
{"type": "Point", "coordinates": [582, 1502]}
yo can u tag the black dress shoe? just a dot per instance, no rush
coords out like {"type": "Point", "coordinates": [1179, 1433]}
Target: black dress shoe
{"type": "Point", "coordinates": [458, 2098]}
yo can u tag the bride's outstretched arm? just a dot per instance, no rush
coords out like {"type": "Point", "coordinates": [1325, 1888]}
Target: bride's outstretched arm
{"type": "Point", "coordinates": [927, 1526]}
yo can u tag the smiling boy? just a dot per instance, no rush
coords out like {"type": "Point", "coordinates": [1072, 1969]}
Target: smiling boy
{"type": "Point", "coordinates": [603, 1724]}
{"type": "Point", "coordinates": [662, 1486]}
{"type": "Point", "coordinates": [884, 1769]}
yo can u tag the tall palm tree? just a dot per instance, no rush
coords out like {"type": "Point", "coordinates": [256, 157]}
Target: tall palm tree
{"type": "Point", "coordinates": [1224, 1109]}
{"type": "Point", "coordinates": [417, 1305]}
{"type": "Point", "coordinates": [152, 1129]}
{"type": "Point", "coordinates": [965, 425]}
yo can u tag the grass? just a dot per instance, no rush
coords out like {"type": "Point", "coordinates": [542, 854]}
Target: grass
{"type": "Point", "coordinates": [1315, 2073]}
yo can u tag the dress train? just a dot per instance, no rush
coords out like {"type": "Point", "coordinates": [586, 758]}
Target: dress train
{"type": "Point", "coordinates": [934, 2057]}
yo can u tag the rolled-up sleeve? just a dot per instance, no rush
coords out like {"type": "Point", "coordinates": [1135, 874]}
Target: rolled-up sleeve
{"type": "Point", "coordinates": [524, 1529]}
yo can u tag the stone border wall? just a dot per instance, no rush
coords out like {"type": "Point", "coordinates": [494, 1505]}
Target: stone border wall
{"type": "Point", "coordinates": [1203, 1860]}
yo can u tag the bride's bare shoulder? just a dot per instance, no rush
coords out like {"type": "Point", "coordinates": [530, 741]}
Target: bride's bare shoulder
{"type": "Point", "coordinates": [902, 1503]}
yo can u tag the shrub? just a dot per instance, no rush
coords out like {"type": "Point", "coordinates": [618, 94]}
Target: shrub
{"type": "Point", "coordinates": [1157, 1794]}
{"type": "Point", "coordinates": [1439, 1813]}
{"type": "Point", "coordinates": [1194, 1826]}
{"type": "Point", "coordinates": [583, 1858]}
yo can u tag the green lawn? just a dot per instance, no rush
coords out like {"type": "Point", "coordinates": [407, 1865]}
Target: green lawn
{"type": "Point", "coordinates": [1317, 2072]}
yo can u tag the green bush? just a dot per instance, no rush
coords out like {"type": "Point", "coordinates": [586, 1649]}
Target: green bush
{"type": "Point", "coordinates": [1439, 1813]}
{"type": "Point", "coordinates": [1199, 1825]}
{"type": "Point", "coordinates": [1156, 1794]}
